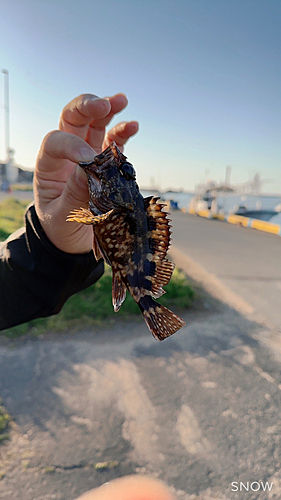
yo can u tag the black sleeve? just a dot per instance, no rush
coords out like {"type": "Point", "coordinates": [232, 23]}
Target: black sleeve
{"type": "Point", "coordinates": [36, 278]}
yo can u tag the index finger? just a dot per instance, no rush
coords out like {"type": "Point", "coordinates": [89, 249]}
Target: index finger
{"type": "Point", "coordinates": [81, 111]}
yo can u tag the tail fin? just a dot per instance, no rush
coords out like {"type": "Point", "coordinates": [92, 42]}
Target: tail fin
{"type": "Point", "coordinates": [161, 321]}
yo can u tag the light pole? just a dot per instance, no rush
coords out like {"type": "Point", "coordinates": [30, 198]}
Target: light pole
{"type": "Point", "coordinates": [7, 114]}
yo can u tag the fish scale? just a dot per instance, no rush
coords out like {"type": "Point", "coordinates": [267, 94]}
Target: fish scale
{"type": "Point", "coordinates": [132, 234]}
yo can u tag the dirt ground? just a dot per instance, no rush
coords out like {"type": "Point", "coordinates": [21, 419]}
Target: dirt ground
{"type": "Point", "coordinates": [199, 410]}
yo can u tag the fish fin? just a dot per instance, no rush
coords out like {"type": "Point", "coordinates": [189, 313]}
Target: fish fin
{"type": "Point", "coordinates": [85, 216]}
{"type": "Point", "coordinates": [118, 292]}
{"type": "Point", "coordinates": [164, 271]}
{"type": "Point", "coordinates": [163, 274]}
{"type": "Point", "coordinates": [158, 274]}
{"type": "Point", "coordinates": [158, 269]}
{"type": "Point", "coordinates": [147, 200]}
{"type": "Point", "coordinates": [100, 250]}
{"type": "Point", "coordinates": [96, 249]}
{"type": "Point", "coordinates": [159, 228]}
{"type": "Point", "coordinates": [160, 321]}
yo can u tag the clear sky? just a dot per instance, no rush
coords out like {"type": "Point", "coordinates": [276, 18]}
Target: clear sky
{"type": "Point", "coordinates": [203, 77]}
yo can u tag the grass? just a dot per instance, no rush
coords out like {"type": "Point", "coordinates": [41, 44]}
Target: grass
{"type": "Point", "coordinates": [93, 305]}
{"type": "Point", "coordinates": [11, 216]}
{"type": "Point", "coordinates": [5, 420]}
{"type": "Point", "coordinates": [22, 186]}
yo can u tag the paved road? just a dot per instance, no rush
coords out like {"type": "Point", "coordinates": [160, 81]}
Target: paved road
{"type": "Point", "coordinates": [245, 260]}
{"type": "Point", "coordinates": [20, 195]}
{"type": "Point", "coordinates": [200, 410]}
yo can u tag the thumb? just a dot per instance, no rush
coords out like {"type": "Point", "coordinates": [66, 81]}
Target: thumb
{"type": "Point", "coordinates": [59, 146]}
{"type": "Point", "coordinates": [76, 192]}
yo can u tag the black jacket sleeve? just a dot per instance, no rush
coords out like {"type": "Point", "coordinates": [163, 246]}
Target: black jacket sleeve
{"type": "Point", "coordinates": [36, 278]}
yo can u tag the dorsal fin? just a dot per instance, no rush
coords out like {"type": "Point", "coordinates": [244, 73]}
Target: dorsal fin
{"type": "Point", "coordinates": [158, 269]}
{"type": "Point", "coordinates": [147, 200]}
{"type": "Point", "coordinates": [159, 228]}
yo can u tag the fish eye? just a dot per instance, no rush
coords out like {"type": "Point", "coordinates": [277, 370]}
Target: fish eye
{"type": "Point", "coordinates": [128, 171]}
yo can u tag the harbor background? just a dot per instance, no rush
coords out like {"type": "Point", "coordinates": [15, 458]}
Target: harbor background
{"type": "Point", "coordinates": [228, 202]}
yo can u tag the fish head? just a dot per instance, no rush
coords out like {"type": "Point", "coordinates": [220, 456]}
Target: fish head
{"type": "Point", "coordinates": [112, 177]}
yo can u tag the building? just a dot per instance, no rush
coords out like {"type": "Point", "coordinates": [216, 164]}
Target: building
{"type": "Point", "coordinates": [11, 172]}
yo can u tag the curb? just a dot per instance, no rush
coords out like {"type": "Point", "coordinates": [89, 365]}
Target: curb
{"type": "Point", "coordinates": [260, 225]}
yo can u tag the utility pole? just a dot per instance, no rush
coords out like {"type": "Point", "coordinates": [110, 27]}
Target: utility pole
{"type": "Point", "coordinates": [7, 114]}
{"type": "Point", "coordinates": [227, 175]}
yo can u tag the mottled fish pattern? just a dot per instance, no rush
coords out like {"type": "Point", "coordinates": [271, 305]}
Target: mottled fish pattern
{"type": "Point", "coordinates": [132, 234]}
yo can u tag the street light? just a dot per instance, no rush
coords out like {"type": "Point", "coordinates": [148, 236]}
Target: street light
{"type": "Point", "coordinates": [7, 114]}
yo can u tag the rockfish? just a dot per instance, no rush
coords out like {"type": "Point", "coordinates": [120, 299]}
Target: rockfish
{"type": "Point", "coordinates": [132, 234]}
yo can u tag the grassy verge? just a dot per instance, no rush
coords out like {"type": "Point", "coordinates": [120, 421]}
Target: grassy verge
{"type": "Point", "coordinates": [93, 305]}
{"type": "Point", "coordinates": [11, 216]}
{"type": "Point", "coordinates": [22, 186]}
{"type": "Point", "coordinates": [4, 424]}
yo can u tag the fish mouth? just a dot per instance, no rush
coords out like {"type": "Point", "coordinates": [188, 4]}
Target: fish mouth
{"type": "Point", "coordinates": [90, 168]}
{"type": "Point", "coordinates": [88, 165]}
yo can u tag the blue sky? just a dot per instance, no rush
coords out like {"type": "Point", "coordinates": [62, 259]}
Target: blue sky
{"type": "Point", "coordinates": [203, 77]}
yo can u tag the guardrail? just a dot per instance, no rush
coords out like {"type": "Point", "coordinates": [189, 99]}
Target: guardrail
{"type": "Point", "coordinates": [260, 225]}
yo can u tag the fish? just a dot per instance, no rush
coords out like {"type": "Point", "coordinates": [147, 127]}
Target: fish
{"type": "Point", "coordinates": [132, 234]}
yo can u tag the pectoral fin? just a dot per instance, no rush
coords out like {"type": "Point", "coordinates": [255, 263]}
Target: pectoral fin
{"type": "Point", "coordinates": [85, 216]}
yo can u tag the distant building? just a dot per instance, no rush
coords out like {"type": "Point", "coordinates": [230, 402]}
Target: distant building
{"type": "Point", "coordinates": [11, 172]}
{"type": "Point", "coordinates": [2, 171]}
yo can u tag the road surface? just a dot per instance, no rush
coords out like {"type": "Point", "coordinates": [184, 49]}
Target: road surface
{"type": "Point", "coordinates": [243, 259]}
{"type": "Point", "coordinates": [200, 410]}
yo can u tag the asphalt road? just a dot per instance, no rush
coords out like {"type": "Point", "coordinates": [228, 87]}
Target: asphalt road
{"type": "Point", "coordinates": [247, 261]}
{"type": "Point", "coordinates": [19, 195]}
{"type": "Point", "coordinates": [200, 410]}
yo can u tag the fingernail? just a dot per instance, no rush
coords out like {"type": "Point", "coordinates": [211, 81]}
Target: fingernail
{"type": "Point", "coordinates": [87, 154]}
{"type": "Point", "coordinates": [80, 177]}
{"type": "Point", "coordinates": [93, 98]}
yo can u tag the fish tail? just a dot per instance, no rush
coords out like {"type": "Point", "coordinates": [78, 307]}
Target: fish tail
{"type": "Point", "coordinates": [161, 321]}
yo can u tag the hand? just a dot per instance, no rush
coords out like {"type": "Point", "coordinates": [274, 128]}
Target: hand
{"type": "Point", "coordinates": [130, 488]}
{"type": "Point", "coordinates": [60, 185]}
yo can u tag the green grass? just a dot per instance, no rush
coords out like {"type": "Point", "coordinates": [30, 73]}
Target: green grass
{"type": "Point", "coordinates": [22, 186]}
{"type": "Point", "coordinates": [11, 216]}
{"type": "Point", "coordinates": [4, 424]}
{"type": "Point", "coordinates": [93, 305]}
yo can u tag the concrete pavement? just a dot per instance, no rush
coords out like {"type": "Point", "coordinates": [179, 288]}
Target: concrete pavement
{"type": "Point", "coordinates": [246, 261]}
{"type": "Point", "coordinates": [200, 410]}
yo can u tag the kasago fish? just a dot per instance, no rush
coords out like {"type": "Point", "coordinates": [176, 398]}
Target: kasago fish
{"type": "Point", "coordinates": [132, 234]}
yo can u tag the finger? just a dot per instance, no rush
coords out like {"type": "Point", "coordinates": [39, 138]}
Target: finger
{"type": "Point", "coordinates": [96, 131]}
{"type": "Point", "coordinates": [130, 488]}
{"type": "Point", "coordinates": [58, 146]}
{"type": "Point", "coordinates": [121, 133]}
{"type": "Point", "coordinates": [54, 201]}
{"type": "Point", "coordinates": [81, 111]}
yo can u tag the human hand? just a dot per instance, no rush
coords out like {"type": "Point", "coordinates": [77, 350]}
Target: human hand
{"type": "Point", "coordinates": [130, 488]}
{"type": "Point", "coordinates": [60, 185]}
